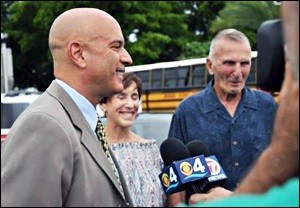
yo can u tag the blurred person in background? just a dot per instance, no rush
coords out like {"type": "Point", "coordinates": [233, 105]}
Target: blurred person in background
{"type": "Point", "coordinates": [139, 158]}
{"type": "Point", "coordinates": [52, 155]}
{"type": "Point", "coordinates": [274, 179]}
{"type": "Point", "coordinates": [232, 120]}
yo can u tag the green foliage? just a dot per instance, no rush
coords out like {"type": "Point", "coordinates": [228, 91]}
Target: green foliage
{"type": "Point", "coordinates": [155, 43]}
{"type": "Point", "coordinates": [4, 12]}
{"type": "Point", "coordinates": [200, 14]}
{"type": "Point", "coordinates": [195, 49]}
{"type": "Point", "coordinates": [158, 28]}
{"type": "Point", "coordinates": [245, 16]}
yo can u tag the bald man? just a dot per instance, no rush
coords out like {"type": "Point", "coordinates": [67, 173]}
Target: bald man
{"type": "Point", "coordinates": [52, 156]}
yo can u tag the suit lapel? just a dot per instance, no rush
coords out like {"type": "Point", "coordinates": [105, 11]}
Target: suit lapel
{"type": "Point", "coordinates": [89, 138]}
{"type": "Point", "coordinates": [95, 149]}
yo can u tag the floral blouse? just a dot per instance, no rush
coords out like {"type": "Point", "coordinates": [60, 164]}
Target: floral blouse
{"type": "Point", "coordinates": [141, 163]}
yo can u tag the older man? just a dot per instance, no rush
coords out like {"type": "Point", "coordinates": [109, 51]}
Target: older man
{"type": "Point", "coordinates": [274, 179]}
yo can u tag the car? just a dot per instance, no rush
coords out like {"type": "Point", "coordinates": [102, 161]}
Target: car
{"type": "Point", "coordinates": [12, 105]}
{"type": "Point", "coordinates": [151, 125]}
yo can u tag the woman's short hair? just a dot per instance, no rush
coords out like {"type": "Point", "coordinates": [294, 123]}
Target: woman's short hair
{"type": "Point", "coordinates": [128, 79]}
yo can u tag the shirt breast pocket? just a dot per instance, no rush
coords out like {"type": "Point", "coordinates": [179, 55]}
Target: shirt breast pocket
{"type": "Point", "coordinates": [258, 142]}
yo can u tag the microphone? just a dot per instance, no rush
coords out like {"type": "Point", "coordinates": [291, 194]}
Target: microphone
{"type": "Point", "coordinates": [217, 176]}
{"type": "Point", "coordinates": [173, 149]}
{"type": "Point", "coordinates": [197, 147]}
{"type": "Point", "coordinates": [181, 170]}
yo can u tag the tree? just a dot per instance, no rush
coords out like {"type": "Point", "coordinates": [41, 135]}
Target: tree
{"type": "Point", "coordinates": [4, 12]}
{"type": "Point", "coordinates": [245, 16]}
{"type": "Point", "coordinates": [159, 27]}
{"type": "Point", "coordinates": [199, 16]}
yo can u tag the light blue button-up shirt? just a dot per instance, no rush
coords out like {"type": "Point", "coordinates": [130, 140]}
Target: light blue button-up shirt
{"type": "Point", "coordinates": [87, 109]}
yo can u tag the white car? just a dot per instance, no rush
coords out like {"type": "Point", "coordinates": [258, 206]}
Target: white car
{"type": "Point", "coordinates": [151, 125]}
{"type": "Point", "coordinates": [12, 105]}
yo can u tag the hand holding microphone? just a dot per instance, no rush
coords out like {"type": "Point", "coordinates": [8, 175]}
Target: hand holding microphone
{"type": "Point", "coordinates": [212, 194]}
{"type": "Point", "coordinates": [210, 188]}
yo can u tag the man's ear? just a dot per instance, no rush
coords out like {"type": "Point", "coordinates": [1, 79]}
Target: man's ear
{"type": "Point", "coordinates": [208, 66]}
{"type": "Point", "coordinates": [103, 107]}
{"type": "Point", "coordinates": [76, 54]}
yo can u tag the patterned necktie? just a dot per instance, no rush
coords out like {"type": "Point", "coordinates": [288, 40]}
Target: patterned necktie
{"type": "Point", "coordinates": [100, 131]}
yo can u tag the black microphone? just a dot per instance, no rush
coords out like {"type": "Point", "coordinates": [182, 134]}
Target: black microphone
{"type": "Point", "coordinates": [218, 175]}
{"type": "Point", "coordinates": [173, 149]}
{"type": "Point", "coordinates": [181, 169]}
{"type": "Point", "coordinates": [197, 147]}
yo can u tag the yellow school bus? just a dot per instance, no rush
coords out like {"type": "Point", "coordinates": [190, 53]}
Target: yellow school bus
{"type": "Point", "coordinates": [165, 84]}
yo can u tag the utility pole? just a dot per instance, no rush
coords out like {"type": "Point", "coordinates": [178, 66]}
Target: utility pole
{"type": "Point", "coordinates": [7, 79]}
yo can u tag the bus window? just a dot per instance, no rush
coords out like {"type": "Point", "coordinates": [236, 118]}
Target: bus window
{"type": "Point", "coordinates": [144, 75]}
{"type": "Point", "coordinates": [156, 79]}
{"type": "Point", "coordinates": [198, 75]}
{"type": "Point", "coordinates": [170, 77]}
{"type": "Point", "coordinates": [176, 77]}
{"type": "Point", "coordinates": [183, 77]}
{"type": "Point", "coordinates": [252, 75]}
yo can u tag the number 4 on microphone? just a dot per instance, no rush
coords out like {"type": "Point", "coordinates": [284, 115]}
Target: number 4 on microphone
{"type": "Point", "coordinates": [175, 177]}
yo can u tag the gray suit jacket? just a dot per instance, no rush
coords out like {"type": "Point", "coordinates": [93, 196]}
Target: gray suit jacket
{"type": "Point", "coordinates": [52, 158]}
